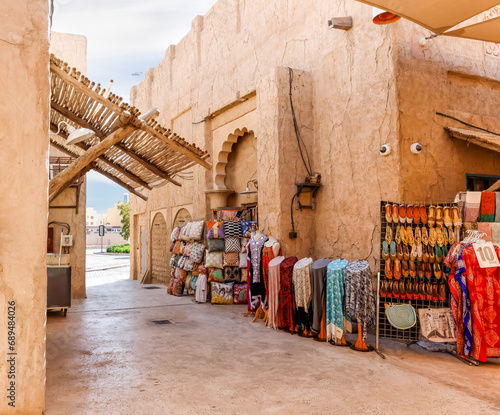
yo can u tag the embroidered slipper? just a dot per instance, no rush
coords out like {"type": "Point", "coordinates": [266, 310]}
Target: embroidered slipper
{"type": "Point", "coordinates": [403, 235]}
{"type": "Point", "coordinates": [402, 213]}
{"type": "Point", "coordinates": [388, 213]}
{"type": "Point", "coordinates": [397, 269]}
{"type": "Point", "coordinates": [409, 235]}
{"type": "Point", "coordinates": [418, 236]}
{"type": "Point", "coordinates": [399, 252]}
{"type": "Point", "coordinates": [397, 238]}
{"type": "Point", "coordinates": [439, 236]}
{"type": "Point", "coordinates": [402, 290]}
{"type": "Point", "coordinates": [405, 269]}
{"type": "Point", "coordinates": [421, 291]}
{"type": "Point", "coordinates": [416, 214]}
{"type": "Point", "coordinates": [439, 255]}
{"type": "Point", "coordinates": [444, 234]}
{"type": "Point", "coordinates": [432, 216]}
{"type": "Point", "coordinates": [439, 216]}
{"type": "Point", "coordinates": [409, 214]}
{"type": "Point", "coordinates": [432, 257]}
{"type": "Point", "coordinates": [389, 289]}
{"type": "Point", "coordinates": [435, 293]}
{"type": "Point", "coordinates": [455, 217]}
{"type": "Point", "coordinates": [395, 289]}
{"type": "Point", "coordinates": [423, 214]}
{"type": "Point", "coordinates": [420, 271]}
{"type": "Point", "coordinates": [419, 253]}
{"type": "Point", "coordinates": [444, 252]}
{"type": "Point", "coordinates": [428, 271]}
{"type": "Point", "coordinates": [428, 291]}
{"type": "Point", "coordinates": [425, 236]}
{"type": "Point", "coordinates": [432, 237]}
{"type": "Point", "coordinates": [416, 295]}
{"type": "Point", "coordinates": [451, 236]}
{"type": "Point", "coordinates": [395, 213]}
{"type": "Point", "coordinates": [425, 254]}
{"type": "Point", "coordinates": [406, 253]}
{"type": "Point", "coordinates": [442, 292]}
{"type": "Point", "coordinates": [413, 269]}
{"type": "Point", "coordinates": [388, 269]}
{"type": "Point", "coordinates": [413, 253]}
{"type": "Point", "coordinates": [385, 250]}
{"type": "Point", "coordinates": [392, 252]}
{"type": "Point", "coordinates": [383, 288]}
{"type": "Point", "coordinates": [437, 270]}
{"type": "Point", "coordinates": [388, 234]}
{"type": "Point", "coordinates": [448, 222]}
{"type": "Point", "coordinates": [409, 289]}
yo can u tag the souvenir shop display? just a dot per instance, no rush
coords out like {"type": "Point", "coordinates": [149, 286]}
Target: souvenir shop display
{"type": "Point", "coordinates": [415, 240]}
{"type": "Point", "coordinates": [222, 293]}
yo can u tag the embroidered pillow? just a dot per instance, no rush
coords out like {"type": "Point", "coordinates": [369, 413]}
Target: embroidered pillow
{"type": "Point", "coordinates": [187, 249]}
{"type": "Point", "coordinates": [196, 230]}
{"type": "Point", "coordinates": [232, 244]}
{"type": "Point", "coordinates": [216, 245]}
{"type": "Point", "coordinates": [244, 273]}
{"type": "Point", "coordinates": [174, 236]}
{"type": "Point", "coordinates": [194, 279]}
{"type": "Point", "coordinates": [213, 259]}
{"type": "Point", "coordinates": [215, 274]}
{"type": "Point", "coordinates": [188, 264]}
{"type": "Point", "coordinates": [244, 244]}
{"type": "Point", "coordinates": [177, 248]}
{"type": "Point", "coordinates": [230, 259]}
{"type": "Point", "coordinates": [232, 229]}
{"type": "Point", "coordinates": [182, 247]}
{"type": "Point", "coordinates": [231, 274]}
{"type": "Point", "coordinates": [196, 270]}
{"type": "Point", "coordinates": [215, 229]}
{"type": "Point", "coordinates": [181, 262]}
{"type": "Point", "coordinates": [243, 260]}
{"type": "Point", "coordinates": [177, 286]}
{"type": "Point", "coordinates": [247, 228]}
{"type": "Point", "coordinates": [174, 259]}
{"type": "Point", "coordinates": [222, 293]}
{"type": "Point", "coordinates": [184, 235]}
{"type": "Point", "coordinates": [197, 251]}
{"type": "Point", "coordinates": [240, 294]}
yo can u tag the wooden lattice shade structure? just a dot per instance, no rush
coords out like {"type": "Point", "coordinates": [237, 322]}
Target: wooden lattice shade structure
{"type": "Point", "coordinates": [134, 153]}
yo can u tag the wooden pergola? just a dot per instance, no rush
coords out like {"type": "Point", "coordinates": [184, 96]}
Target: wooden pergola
{"type": "Point", "coordinates": [134, 153]}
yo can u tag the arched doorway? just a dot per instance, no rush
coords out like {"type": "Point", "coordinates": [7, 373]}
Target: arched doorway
{"type": "Point", "coordinates": [159, 251]}
{"type": "Point", "coordinates": [182, 217]}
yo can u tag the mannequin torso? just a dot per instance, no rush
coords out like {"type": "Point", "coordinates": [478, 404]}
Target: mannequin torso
{"type": "Point", "coordinates": [273, 243]}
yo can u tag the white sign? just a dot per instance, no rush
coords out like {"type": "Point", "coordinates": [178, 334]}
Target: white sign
{"type": "Point", "coordinates": [486, 255]}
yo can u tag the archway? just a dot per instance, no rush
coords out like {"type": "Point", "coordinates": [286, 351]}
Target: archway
{"type": "Point", "coordinates": [159, 251]}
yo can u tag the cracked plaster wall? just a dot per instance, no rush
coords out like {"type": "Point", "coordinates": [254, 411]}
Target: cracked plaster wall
{"type": "Point", "coordinates": [24, 139]}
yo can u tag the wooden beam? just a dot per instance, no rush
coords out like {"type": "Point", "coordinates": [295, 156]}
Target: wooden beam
{"type": "Point", "coordinates": [118, 181]}
{"type": "Point", "coordinates": [68, 174]}
{"type": "Point", "coordinates": [179, 147]}
{"type": "Point", "coordinates": [75, 118]}
{"type": "Point", "coordinates": [102, 158]}
{"type": "Point", "coordinates": [155, 170]}
{"type": "Point", "coordinates": [494, 187]}
{"type": "Point", "coordinates": [67, 184]}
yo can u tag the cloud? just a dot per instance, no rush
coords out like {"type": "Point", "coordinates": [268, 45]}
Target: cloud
{"type": "Point", "coordinates": [94, 177]}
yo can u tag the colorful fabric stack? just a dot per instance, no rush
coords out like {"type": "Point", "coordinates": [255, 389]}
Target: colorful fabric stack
{"type": "Point", "coordinates": [335, 281]}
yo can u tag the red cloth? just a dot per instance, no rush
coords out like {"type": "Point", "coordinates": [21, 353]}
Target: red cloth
{"type": "Point", "coordinates": [267, 256]}
{"type": "Point", "coordinates": [287, 297]}
{"type": "Point", "coordinates": [483, 285]}
{"type": "Point", "coordinates": [457, 309]}
{"type": "Point", "coordinates": [488, 207]}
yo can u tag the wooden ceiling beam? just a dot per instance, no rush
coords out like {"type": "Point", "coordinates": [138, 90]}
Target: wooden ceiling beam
{"type": "Point", "coordinates": [96, 168]}
{"type": "Point", "coordinates": [103, 158]}
{"type": "Point", "coordinates": [90, 155]}
{"type": "Point", "coordinates": [155, 170]}
{"type": "Point", "coordinates": [75, 118]}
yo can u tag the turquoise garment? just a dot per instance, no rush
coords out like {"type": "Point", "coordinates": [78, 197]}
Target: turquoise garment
{"type": "Point", "coordinates": [335, 281]}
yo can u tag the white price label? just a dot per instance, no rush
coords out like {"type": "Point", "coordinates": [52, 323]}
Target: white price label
{"type": "Point", "coordinates": [486, 255]}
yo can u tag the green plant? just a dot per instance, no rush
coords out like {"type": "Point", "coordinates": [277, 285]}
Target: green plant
{"type": "Point", "coordinates": [124, 208]}
{"type": "Point", "coordinates": [119, 249]}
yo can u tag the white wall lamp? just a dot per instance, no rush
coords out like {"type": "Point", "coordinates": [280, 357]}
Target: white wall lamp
{"type": "Point", "coordinates": [248, 191]}
{"type": "Point", "coordinates": [381, 17]}
{"type": "Point", "coordinates": [74, 135]}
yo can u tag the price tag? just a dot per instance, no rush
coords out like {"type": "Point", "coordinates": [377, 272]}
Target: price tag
{"type": "Point", "coordinates": [486, 255]}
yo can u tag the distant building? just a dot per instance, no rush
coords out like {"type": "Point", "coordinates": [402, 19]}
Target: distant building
{"type": "Point", "coordinates": [93, 218]}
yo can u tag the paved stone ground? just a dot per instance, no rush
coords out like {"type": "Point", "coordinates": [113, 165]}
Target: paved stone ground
{"type": "Point", "coordinates": [106, 269]}
{"type": "Point", "coordinates": [106, 357]}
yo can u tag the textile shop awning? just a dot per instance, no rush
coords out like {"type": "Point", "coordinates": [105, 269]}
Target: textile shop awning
{"type": "Point", "coordinates": [440, 16]}
{"type": "Point", "coordinates": [128, 150]}
{"type": "Point", "coordinates": [479, 138]}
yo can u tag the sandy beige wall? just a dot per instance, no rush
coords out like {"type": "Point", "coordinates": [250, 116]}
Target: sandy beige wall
{"type": "Point", "coordinates": [457, 77]}
{"type": "Point", "coordinates": [24, 139]}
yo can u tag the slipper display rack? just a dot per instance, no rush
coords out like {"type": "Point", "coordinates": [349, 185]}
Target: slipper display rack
{"type": "Point", "coordinates": [386, 330]}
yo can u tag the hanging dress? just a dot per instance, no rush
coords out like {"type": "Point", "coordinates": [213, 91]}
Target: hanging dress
{"type": "Point", "coordinates": [274, 289]}
{"type": "Point", "coordinates": [302, 285]}
{"type": "Point", "coordinates": [267, 256]}
{"type": "Point", "coordinates": [360, 302]}
{"type": "Point", "coordinates": [335, 281]}
{"type": "Point", "coordinates": [201, 289]}
{"type": "Point", "coordinates": [286, 309]}
{"type": "Point", "coordinates": [255, 283]}
{"type": "Point", "coordinates": [318, 288]}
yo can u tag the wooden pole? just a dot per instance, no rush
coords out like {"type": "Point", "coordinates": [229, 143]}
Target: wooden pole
{"type": "Point", "coordinates": [84, 160]}
{"type": "Point", "coordinates": [118, 181]}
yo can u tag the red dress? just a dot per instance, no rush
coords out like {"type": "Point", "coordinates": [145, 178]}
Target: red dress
{"type": "Point", "coordinates": [484, 292]}
{"type": "Point", "coordinates": [286, 310]}
{"type": "Point", "coordinates": [267, 256]}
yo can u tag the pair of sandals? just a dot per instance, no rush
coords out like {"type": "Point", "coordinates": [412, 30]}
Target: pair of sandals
{"type": "Point", "coordinates": [413, 290]}
{"type": "Point", "coordinates": [444, 216]}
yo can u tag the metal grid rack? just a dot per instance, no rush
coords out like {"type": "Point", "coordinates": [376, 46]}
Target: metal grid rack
{"type": "Point", "coordinates": [386, 330]}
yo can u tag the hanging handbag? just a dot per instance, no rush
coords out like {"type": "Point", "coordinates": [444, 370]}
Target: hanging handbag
{"type": "Point", "coordinates": [177, 248]}
{"type": "Point", "coordinates": [401, 316]}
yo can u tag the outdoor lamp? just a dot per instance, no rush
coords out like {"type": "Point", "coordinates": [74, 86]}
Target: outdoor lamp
{"type": "Point", "coordinates": [381, 17]}
{"type": "Point", "coordinates": [248, 191]}
{"type": "Point", "coordinates": [74, 135]}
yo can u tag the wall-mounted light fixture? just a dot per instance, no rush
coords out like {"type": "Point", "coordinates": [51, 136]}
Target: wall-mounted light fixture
{"type": "Point", "coordinates": [74, 135]}
{"type": "Point", "coordinates": [247, 191]}
{"type": "Point", "coordinates": [381, 17]}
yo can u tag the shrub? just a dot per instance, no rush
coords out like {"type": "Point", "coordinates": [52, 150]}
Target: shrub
{"type": "Point", "coordinates": [119, 249]}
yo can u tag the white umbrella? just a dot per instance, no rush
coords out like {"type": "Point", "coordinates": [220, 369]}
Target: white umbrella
{"type": "Point", "coordinates": [439, 16]}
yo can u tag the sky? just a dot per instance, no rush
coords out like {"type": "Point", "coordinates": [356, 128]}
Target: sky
{"type": "Point", "coordinates": [124, 39]}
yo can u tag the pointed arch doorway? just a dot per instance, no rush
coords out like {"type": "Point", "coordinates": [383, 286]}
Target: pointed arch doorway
{"type": "Point", "coordinates": [159, 251]}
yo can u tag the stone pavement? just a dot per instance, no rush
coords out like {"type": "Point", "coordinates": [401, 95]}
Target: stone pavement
{"type": "Point", "coordinates": [107, 357]}
{"type": "Point", "coordinates": [105, 269]}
